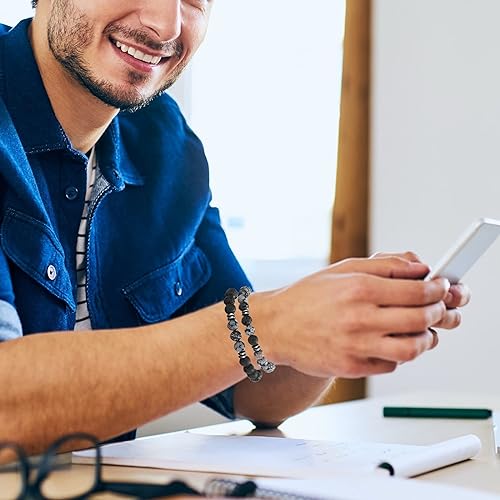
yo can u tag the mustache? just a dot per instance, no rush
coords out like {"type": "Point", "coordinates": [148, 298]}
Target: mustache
{"type": "Point", "coordinates": [172, 48]}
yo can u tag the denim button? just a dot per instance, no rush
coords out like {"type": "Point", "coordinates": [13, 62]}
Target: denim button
{"type": "Point", "coordinates": [178, 289]}
{"type": "Point", "coordinates": [51, 272]}
{"type": "Point", "coordinates": [71, 193]}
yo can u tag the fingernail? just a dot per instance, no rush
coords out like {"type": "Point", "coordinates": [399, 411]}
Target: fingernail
{"type": "Point", "coordinates": [447, 284]}
{"type": "Point", "coordinates": [449, 297]}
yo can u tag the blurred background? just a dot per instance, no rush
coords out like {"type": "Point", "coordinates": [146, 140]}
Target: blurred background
{"type": "Point", "coordinates": [418, 156]}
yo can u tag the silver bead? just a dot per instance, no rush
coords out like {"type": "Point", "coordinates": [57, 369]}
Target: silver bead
{"type": "Point", "coordinates": [269, 367]}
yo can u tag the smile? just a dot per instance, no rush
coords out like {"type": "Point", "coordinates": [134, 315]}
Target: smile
{"type": "Point", "coordinates": [137, 54]}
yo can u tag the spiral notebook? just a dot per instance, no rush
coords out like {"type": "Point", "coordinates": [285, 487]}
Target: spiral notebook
{"type": "Point", "coordinates": [345, 487]}
{"type": "Point", "coordinates": [282, 457]}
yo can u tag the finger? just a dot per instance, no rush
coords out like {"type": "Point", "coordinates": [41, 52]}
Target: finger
{"type": "Point", "coordinates": [400, 292]}
{"type": "Point", "coordinates": [410, 256]}
{"type": "Point", "coordinates": [458, 296]}
{"type": "Point", "coordinates": [403, 319]}
{"type": "Point", "coordinates": [451, 319]}
{"type": "Point", "coordinates": [387, 267]}
{"type": "Point", "coordinates": [403, 348]}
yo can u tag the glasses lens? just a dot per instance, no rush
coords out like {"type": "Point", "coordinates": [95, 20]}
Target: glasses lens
{"type": "Point", "coordinates": [11, 473]}
{"type": "Point", "coordinates": [62, 479]}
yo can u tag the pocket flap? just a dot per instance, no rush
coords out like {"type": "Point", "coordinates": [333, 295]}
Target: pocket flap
{"type": "Point", "coordinates": [158, 294]}
{"type": "Point", "coordinates": [34, 248]}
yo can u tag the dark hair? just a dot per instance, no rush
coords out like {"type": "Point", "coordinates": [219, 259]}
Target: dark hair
{"type": "Point", "coordinates": [33, 3]}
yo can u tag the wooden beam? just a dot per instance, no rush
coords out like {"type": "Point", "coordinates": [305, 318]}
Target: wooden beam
{"type": "Point", "coordinates": [350, 214]}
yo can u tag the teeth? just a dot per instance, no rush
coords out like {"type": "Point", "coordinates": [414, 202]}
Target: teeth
{"type": "Point", "coordinates": [137, 54]}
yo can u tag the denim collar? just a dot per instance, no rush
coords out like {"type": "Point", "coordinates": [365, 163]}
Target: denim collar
{"type": "Point", "coordinates": [31, 111]}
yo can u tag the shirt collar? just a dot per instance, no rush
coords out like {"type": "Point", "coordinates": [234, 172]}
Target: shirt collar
{"type": "Point", "coordinates": [31, 111]}
{"type": "Point", "coordinates": [25, 95]}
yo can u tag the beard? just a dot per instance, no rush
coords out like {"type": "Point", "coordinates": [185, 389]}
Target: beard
{"type": "Point", "coordinates": [70, 33]}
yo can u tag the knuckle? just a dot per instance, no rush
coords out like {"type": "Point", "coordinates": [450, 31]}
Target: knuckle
{"type": "Point", "coordinates": [423, 320]}
{"type": "Point", "coordinates": [412, 256]}
{"type": "Point", "coordinates": [348, 321]}
{"type": "Point", "coordinates": [410, 352]}
{"type": "Point", "coordinates": [424, 292]}
{"type": "Point", "coordinates": [359, 288]}
{"type": "Point", "coordinates": [441, 309]}
{"type": "Point", "coordinates": [395, 260]}
{"type": "Point", "coordinates": [455, 319]}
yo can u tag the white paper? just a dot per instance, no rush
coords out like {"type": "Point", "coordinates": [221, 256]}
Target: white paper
{"type": "Point", "coordinates": [279, 457]}
{"type": "Point", "coordinates": [436, 456]}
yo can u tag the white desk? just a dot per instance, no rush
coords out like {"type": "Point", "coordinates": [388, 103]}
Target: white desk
{"type": "Point", "coordinates": [363, 420]}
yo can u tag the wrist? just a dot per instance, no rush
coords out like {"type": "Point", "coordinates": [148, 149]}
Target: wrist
{"type": "Point", "coordinates": [264, 313]}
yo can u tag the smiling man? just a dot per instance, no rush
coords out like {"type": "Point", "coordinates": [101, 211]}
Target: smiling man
{"type": "Point", "coordinates": [112, 255]}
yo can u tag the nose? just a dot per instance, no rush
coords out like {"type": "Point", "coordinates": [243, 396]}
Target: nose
{"type": "Point", "coordinates": [163, 17]}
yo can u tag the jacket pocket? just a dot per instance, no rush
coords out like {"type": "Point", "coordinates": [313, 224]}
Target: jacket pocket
{"type": "Point", "coordinates": [34, 248]}
{"type": "Point", "coordinates": [158, 294]}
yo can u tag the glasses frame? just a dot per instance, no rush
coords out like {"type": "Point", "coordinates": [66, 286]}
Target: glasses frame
{"type": "Point", "coordinates": [32, 490]}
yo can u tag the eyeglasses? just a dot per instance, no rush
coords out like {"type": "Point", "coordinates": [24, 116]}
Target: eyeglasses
{"type": "Point", "coordinates": [54, 478]}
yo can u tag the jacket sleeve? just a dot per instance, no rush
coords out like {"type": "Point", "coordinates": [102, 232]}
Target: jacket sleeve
{"type": "Point", "coordinates": [226, 272]}
{"type": "Point", "coordinates": [10, 325]}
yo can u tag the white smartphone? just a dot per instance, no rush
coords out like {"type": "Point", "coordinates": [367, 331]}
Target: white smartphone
{"type": "Point", "coordinates": [466, 251]}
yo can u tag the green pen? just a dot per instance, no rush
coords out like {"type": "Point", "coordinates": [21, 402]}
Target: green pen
{"type": "Point", "coordinates": [420, 412]}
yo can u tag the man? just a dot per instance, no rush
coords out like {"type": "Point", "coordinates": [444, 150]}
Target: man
{"type": "Point", "coordinates": [106, 226]}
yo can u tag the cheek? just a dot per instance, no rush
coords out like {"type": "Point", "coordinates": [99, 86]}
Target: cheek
{"type": "Point", "coordinates": [194, 27]}
{"type": "Point", "coordinates": [99, 10]}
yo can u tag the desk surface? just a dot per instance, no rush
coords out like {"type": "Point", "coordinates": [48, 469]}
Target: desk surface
{"type": "Point", "coordinates": [363, 420]}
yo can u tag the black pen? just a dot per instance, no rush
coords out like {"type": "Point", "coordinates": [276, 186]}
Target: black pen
{"type": "Point", "coordinates": [421, 412]}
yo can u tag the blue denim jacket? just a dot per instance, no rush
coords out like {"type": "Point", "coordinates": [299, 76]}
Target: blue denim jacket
{"type": "Point", "coordinates": [155, 247]}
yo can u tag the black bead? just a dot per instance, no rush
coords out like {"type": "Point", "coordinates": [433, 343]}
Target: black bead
{"type": "Point", "coordinates": [230, 308]}
{"type": "Point", "coordinates": [248, 369]}
{"type": "Point", "coordinates": [235, 336]}
{"type": "Point", "coordinates": [246, 361]}
{"type": "Point", "coordinates": [256, 376]}
{"type": "Point", "coordinates": [228, 300]}
{"type": "Point", "coordinates": [253, 340]}
{"type": "Point", "coordinates": [231, 292]}
{"type": "Point", "coordinates": [243, 306]}
{"type": "Point", "coordinates": [246, 320]}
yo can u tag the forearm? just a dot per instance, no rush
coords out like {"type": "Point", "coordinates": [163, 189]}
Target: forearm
{"type": "Point", "coordinates": [109, 382]}
{"type": "Point", "coordinates": [278, 396]}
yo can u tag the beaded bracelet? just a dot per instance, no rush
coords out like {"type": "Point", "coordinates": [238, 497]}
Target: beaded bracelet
{"type": "Point", "coordinates": [254, 374]}
{"type": "Point", "coordinates": [253, 340]}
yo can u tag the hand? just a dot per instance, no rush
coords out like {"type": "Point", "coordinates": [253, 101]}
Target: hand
{"type": "Point", "coordinates": [341, 321]}
{"type": "Point", "coordinates": [458, 296]}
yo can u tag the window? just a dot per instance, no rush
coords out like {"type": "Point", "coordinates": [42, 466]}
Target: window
{"type": "Point", "coordinates": [265, 94]}
{"type": "Point", "coordinates": [13, 13]}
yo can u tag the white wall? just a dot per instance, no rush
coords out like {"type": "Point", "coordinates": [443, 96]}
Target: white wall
{"type": "Point", "coordinates": [436, 165]}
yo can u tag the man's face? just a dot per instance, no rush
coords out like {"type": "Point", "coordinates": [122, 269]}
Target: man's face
{"type": "Point", "coordinates": [126, 52]}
